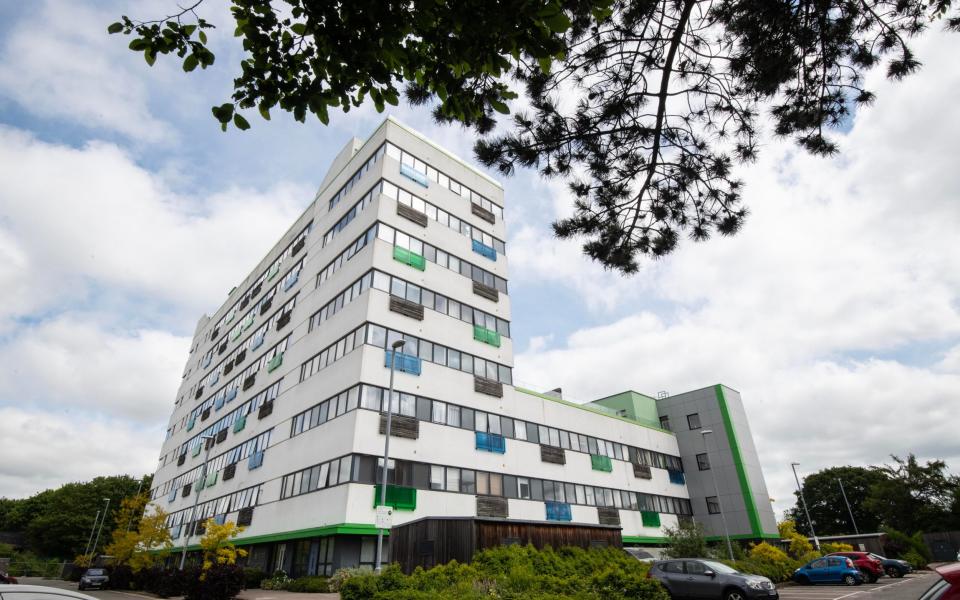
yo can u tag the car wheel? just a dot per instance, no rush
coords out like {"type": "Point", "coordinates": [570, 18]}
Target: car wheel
{"type": "Point", "coordinates": [803, 580]}
{"type": "Point", "coordinates": [80, 587]}
{"type": "Point", "coordinates": [734, 594]}
{"type": "Point", "coordinates": [849, 580]}
{"type": "Point", "coordinates": [894, 572]}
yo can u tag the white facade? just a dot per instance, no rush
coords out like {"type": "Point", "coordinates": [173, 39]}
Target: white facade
{"type": "Point", "coordinates": [330, 301]}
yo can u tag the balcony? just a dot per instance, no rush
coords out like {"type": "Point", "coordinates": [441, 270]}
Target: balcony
{"type": "Point", "coordinates": [490, 442]}
{"type": "Point", "coordinates": [558, 511]}
{"type": "Point", "coordinates": [398, 497]}
{"type": "Point", "coordinates": [484, 250]}
{"type": "Point", "coordinates": [275, 362]}
{"type": "Point", "coordinates": [406, 363]}
{"type": "Point", "coordinates": [487, 336]}
{"type": "Point", "coordinates": [601, 463]}
{"type": "Point", "coordinates": [650, 518]}
{"type": "Point", "coordinates": [409, 258]}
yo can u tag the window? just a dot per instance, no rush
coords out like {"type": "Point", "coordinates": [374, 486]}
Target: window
{"type": "Point", "coordinates": [693, 421]}
{"type": "Point", "coordinates": [703, 462]}
{"type": "Point", "coordinates": [695, 568]}
{"type": "Point", "coordinates": [665, 422]}
{"type": "Point", "coordinates": [713, 505]}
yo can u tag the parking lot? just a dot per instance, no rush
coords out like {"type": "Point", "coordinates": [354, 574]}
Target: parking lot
{"type": "Point", "coordinates": [906, 588]}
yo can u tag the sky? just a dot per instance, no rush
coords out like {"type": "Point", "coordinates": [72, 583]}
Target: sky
{"type": "Point", "coordinates": [125, 214]}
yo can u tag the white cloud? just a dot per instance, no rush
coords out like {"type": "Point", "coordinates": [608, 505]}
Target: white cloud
{"type": "Point", "coordinates": [44, 449]}
{"type": "Point", "coordinates": [78, 73]}
{"type": "Point", "coordinates": [845, 265]}
{"type": "Point", "coordinates": [79, 367]}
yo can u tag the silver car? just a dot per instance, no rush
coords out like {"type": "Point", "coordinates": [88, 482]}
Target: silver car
{"type": "Point", "coordinates": [708, 579]}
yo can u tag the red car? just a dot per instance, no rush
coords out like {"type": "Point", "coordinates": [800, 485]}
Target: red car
{"type": "Point", "coordinates": [4, 578]}
{"type": "Point", "coordinates": [871, 568]}
{"type": "Point", "coordinates": [948, 586]}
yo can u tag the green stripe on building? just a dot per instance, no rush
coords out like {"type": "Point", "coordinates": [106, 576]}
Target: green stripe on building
{"type": "Point", "coordinates": [745, 489]}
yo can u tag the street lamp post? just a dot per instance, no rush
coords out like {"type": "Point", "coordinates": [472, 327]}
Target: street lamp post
{"type": "Point", "coordinates": [96, 519]}
{"type": "Point", "coordinates": [816, 540]}
{"type": "Point", "coordinates": [130, 520]}
{"type": "Point", "coordinates": [96, 540]}
{"type": "Point", "coordinates": [205, 440]}
{"type": "Point", "coordinates": [849, 510]}
{"type": "Point", "coordinates": [396, 346]}
{"type": "Point", "coordinates": [716, 489]}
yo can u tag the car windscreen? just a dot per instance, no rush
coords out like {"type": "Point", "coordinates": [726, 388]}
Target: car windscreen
{"type": "Point", "coordinates": [717, 567]}
{"type": "Point", "coordinates": [96, 572]}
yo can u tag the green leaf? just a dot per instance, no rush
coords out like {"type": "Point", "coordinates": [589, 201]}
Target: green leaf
{"type": "Point", "coordinates": [298, 28]}
{"type": "Point", "coordinates": [545, 63]}
{"type": "Point", "coordinates": [264, 111]}
{"type": "Point", "coordinates": [558, 23]}
{"type": "Point", "coordinates": [115, 28]}
{"type": "Point", "coordinates": [149, 56]}
{"type": "Point", "coordinates": [500, 107]}
{"type": "Point", "coordinates": [190, 63]}
{"type": "Point", "coordinates": [240, 122]}
{"type": "Point", "coordinates": [137, 44]}
{"type": "Point", "coordinates": [223, 113]}
{"type": "Point", "coordinates": [203, 37]}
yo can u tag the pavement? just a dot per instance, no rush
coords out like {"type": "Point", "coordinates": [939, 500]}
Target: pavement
{"type": "Point", "coordinates": [909, 587]}
{"type": "Point", "coordinates": [118, 595]}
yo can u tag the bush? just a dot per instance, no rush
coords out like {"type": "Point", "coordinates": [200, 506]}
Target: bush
{"type": "Point", "coordinates": [121, 576]}
{"type": "Point", "coordinates": [219, 582]}
{"type": "Point", "coordinates": [831, 547]}
{"type": "Point", "coordinates": [252, 577]}
{"type": "Point", "coordinates": [515, 572]}
{"type": "Point", "coordinates": [916, 560]}
{"type": "Point", "coordinates": [307, 584]}
{"type": "Point", "coordinates": [686, 541]}
{"type": "Point", "coordinates": [341, 576]}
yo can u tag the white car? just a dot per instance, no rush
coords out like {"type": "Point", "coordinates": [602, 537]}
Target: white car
{"type": "Point", "coordinates": [39, 592]}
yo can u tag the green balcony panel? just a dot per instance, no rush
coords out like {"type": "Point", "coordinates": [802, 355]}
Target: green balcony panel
{"type": "Point", "coordinates": [487, 336]}
{"type": "Point", "coordinates": [230, 317]}
{"type": "Point", "coordinates": [248, 321]}
{"type": "Point", "coordinates": [199, 485]}
{"type": "Point", "coordinates": [275, 362]}
{"type": "Point", "coordinates": [211, 479]}
{"type": "Point", "coordinates": [601, 463]}
{"type": "Point", "coordinates": [650, 518]}
{"type": "Point", "coordinates": [409, 258]}
{"type": "Point", "coordinates": [196, 450]}
{"type": "Point", "coordinates": [191, 422]}
{"type": "Point", "coordinates": [239, 424]}
{"type": "Point", "coordinates": [400, 498]}
{"type": "Point", "coordinates": [273, 271]}
{"type": "Point", "coordinates": [236, 334]}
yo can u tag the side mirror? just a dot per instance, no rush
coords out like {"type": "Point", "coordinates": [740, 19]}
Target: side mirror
{"type": "Point", "coordinates": [709, 573]}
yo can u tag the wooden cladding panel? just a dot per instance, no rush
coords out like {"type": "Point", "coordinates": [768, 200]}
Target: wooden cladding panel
{"type": "Point", "coordinates": [483, 213]}
{"type": "Point", "coordinates": [492, 506]}
{"type": "Point", "coordinates": [229, 471]}
{"type": "Point", "coordinates": [406, 308]}
{"type": "Point", "coordinates": [552, 454]}
{"type": "Point", "coordinates": [642, 471]}
{"type": "Point", "coordinates": [245, 516]}
{"type": "Point", "coordinates": [487, 386]}
{"type": "Point", "coordinates": [485, 291]}
{"type": "Point", "coordinates": [608, 515]}
{"type": "Point", "coordinates": [401, 426]}
{"type": "Point", "coordinates": [266, 409]}
{"type": "Point", "coordinates": [412, 214]}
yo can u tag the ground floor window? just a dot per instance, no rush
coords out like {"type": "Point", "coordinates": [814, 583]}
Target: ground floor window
{"type": "Point", "coordinates": [325, 557]}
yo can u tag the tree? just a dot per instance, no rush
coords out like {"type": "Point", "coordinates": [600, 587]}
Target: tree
{"type": "Point", "coordinates": [826, 505]}
{"type": "Point", "coordinates": [58, 522]}
{"type": "Point", "coordinates": [140, 540]}
{"type": "Point", "coordinates": [913, 497]}
{"type": "Point", "coordinates": [686, 540]}
{"type": "Point", "coordinates": [799, 546]}
{"type": "Point", "coordinates": [644, 107]}
{"type": "Point", "coordinates": [217, 544]}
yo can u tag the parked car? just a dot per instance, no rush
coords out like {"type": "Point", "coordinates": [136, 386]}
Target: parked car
{"type": "Point", "coordinates": [94, 578]}
{"type": "Point", "coordinates": [871, 568]}
{"type": "Point", "coordinates": [947, 587]}
{"type": "Point", "coordinates": [700, 578]}
{"type": "Point", "coordinates": [5, 578]}
{"type": "Point", "coordinates": [829, 569]}
{"type": "Point", "coordinates": [39, 592]}
{"type": "Point", "coordinates": [893, 567]}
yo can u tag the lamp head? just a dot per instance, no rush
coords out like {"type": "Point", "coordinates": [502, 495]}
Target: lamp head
{"type": "Point", "coordinates": [706, 431]}
{"type": "Point", "coordinates": [398, 344]}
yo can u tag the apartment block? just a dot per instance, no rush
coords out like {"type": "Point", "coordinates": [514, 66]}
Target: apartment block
{"type": "Point", "coordinates": [279, 420]}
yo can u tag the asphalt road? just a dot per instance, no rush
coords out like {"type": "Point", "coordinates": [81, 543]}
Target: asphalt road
{"type": "Point", "coordinates": [906, 588]}
{"type": "Point", "coordinates": [67, 585]}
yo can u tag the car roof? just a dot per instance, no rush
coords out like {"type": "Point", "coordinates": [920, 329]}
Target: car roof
{"type": "Point", "coordinates": [16, 589]}
{"type": "Point", "coordinates": [950, 572]}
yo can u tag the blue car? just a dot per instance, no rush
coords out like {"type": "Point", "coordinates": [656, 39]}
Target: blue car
{"type": "Point", "coordinates": [829, 569]}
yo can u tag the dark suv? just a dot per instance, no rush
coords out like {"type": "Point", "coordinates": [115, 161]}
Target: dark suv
{"type": "Point", "coordinates": [702, 578]}
{"type": "Point", "coordinates": [871, 568]}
